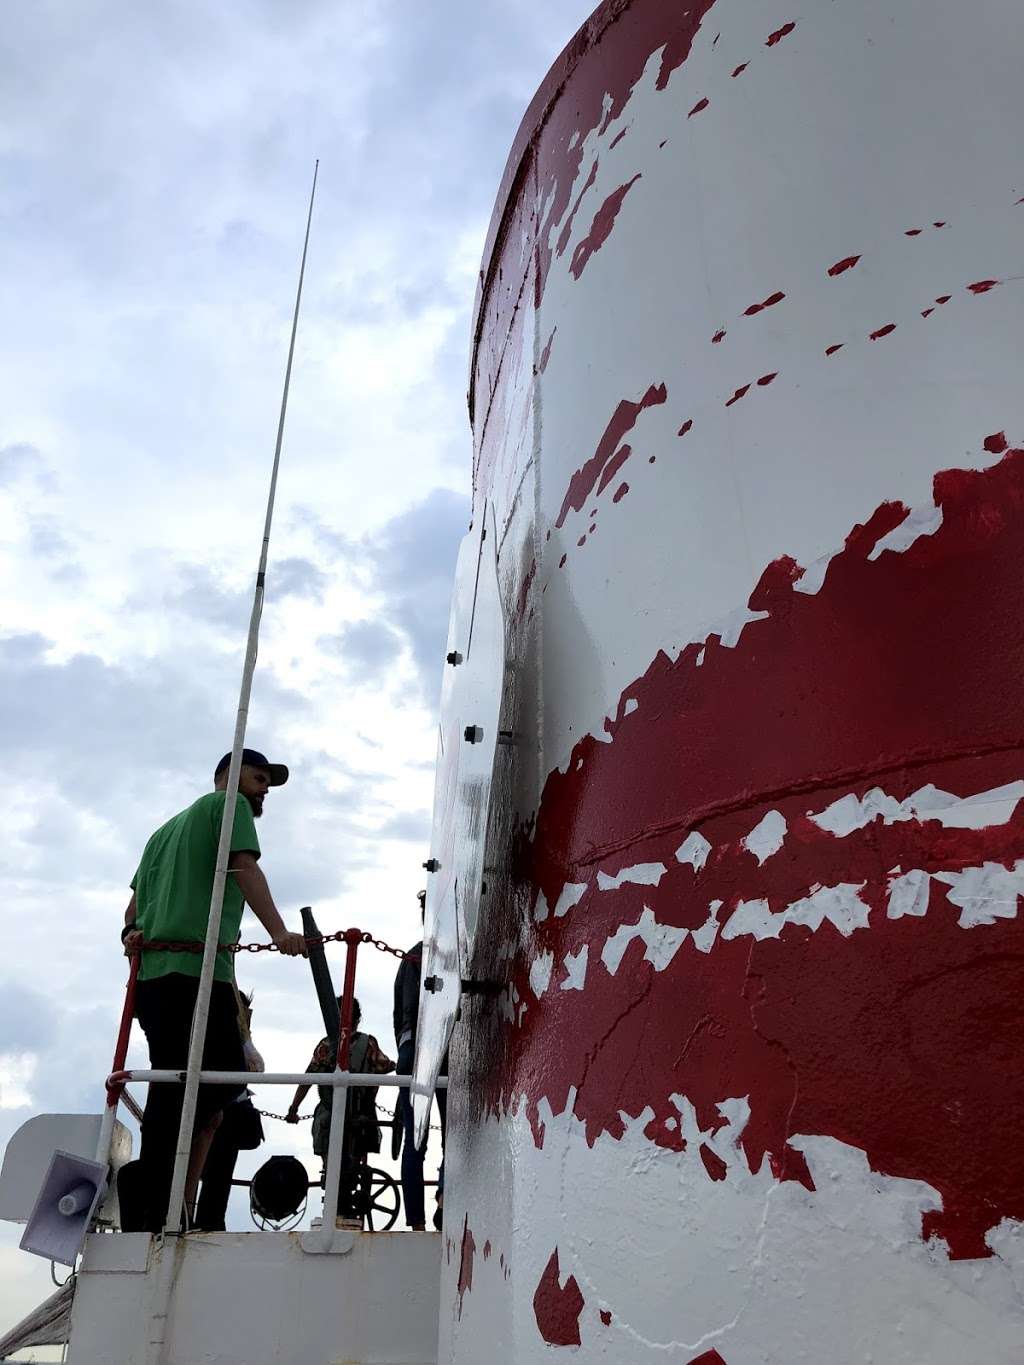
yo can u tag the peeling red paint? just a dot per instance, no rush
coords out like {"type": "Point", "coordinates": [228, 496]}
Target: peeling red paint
{"type": "Point", "coordinates": [708, 1358]}
{"type": "Point", "coordinates": [561, 562]}
{"type": "Point", "coordinates": [939, 225]}
{"type": "Point", "coordinates": [913, 232]}
{"type": "Point", "coordinates": [465, 1284]}
{"type": "Point", "coordinates": [553, 133]}
{"type": "Point", "coordinates": [545, 355]}
{"type": "Point", "coordinates": [883, 331]}
{"type": "Point", "coordinates": [779, 34]}
{"type": "Point", "coordinates": [719, 336]}
{"type": "Point", "coordinates": [606, 1317]}
{"type": "Point", "coordinates": [557, 1308]}
{"type": "Point", "coordinates": [624, 419]}
{"type": "Point", "coordinates": [841, 267]}
{"type": "Point", "coordinates": [996, 444]}
{"type": "Point", "coordinates": [617, 138]}
{"type": "Point", "coordinates": [487, 1250]}
{"type": "Point", "coordinates": [600, 228]}
{"type": "Point", "coordinates": [944, 298]}
{"type": "Point", "coordinates": [713, 1163]}
{"type": "Point", "coordinates": [612, 468]}
{"type": "Point", "coordinates": [831, 350]}
{"type": "Point", "coordinates": [766, 379]}
{"type": "Point", "coordinates": [740, 69]}
{"type": "Point", "coordinates": [524, 590]}
{"type": "Point", "coordinates": [792, 717]}
{"type": "Point", "coordinates": [983, 286]}
{"type": "Point", "coordinates": [620, 492]}
{"type": "Point", "coordinates": [699, 107]}
{"type": "Point", "coordinates": [769, 302]}
{"type": "Point", "coordinates": [566, 233]}
{"type": "Point", "coordinates": [927, 312]}
{"type": "Point", "coordinates": [687, 426]}
{"type": "Point", "coordinates": [740, 393]}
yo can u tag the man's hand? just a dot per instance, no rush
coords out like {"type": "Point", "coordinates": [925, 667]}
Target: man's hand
{"type": "Point", "coordinates": [133, 943]}
{"type": "Point", "coordinates": [291, 1116]}
{"type": "Point", "coordinates": [291, 945]}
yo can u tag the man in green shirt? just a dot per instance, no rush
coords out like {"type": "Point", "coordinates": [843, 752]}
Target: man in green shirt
{"type": "Point", "coordinates": [171, 904]}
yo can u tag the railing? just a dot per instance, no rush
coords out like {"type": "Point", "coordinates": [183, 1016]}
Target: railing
{"type": "Point", "coordinates": [341, 1078]}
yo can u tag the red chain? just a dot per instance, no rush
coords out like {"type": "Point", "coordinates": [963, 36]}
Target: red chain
{"type": "Point", "coordinates": [341, 936]}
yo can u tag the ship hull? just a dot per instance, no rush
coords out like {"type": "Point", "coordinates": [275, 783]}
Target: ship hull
{"type": "Point", "coordinates": [747, 415]}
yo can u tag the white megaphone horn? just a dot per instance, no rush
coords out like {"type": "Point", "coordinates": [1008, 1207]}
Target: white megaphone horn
{"type": "Point", "coordinates": [64, 1208]}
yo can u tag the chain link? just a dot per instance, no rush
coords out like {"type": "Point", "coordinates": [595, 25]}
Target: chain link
{"type": "Point", "coordinates": [342, 935]}
{"type": "Point", "coordinates": [386, 1114]}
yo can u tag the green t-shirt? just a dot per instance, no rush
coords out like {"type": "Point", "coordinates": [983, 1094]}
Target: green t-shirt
{"type": "Point", "coordinates": [175, 880]}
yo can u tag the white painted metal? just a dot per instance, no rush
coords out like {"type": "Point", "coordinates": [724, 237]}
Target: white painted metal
{"type": "Point", "coordinates": [197, 1040]}
{"type": "Point", "coordinates": [29, 1150]}
{"type": "Point", "coordinates": [332, 1173]}
{"type": "Point", "coordinates": [467, 746]}
{"type": "Point", "coordinates": [257, 1299]}
{"type": "Point", "coordinates": [340, 1078]}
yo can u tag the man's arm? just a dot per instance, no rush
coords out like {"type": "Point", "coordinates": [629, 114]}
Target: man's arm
{"type": "Point", "coordinates": [130, 936]}
{"type": "Point", "coordinates": [321, 1060]}
{"type": "Point", "coordinates": [253, 885]}
{"type": "Point", "coordinates": [292, 1115]}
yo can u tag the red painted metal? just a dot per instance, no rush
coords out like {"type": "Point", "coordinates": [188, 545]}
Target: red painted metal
{"type": "Point", "coordinates": [114, 1084]}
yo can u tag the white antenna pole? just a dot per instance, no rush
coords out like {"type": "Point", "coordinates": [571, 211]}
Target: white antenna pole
{"type": "Point", "coordinates": [202, 1010]}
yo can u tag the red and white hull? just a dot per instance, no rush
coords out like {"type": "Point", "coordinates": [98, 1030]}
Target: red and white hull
{"type": "Point", "coordinates": [748, 416]}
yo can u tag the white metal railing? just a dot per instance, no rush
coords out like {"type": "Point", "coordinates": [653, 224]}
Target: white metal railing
{"type": "Point", "coordinates": [335, 1079]}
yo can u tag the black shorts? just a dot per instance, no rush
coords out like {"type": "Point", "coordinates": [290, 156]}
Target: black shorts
{"type": "Point", "coordinates": [164, 1008]}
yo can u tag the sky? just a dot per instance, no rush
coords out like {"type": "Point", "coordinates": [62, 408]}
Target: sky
{"type": "Point", "coordinates": [156, 163]}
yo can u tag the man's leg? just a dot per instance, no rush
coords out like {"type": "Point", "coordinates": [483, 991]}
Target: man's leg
{"type": "Point", "coordinates": [212, 1206]}
{"type": "Point", "coordinates": [164, 1009]}
{"type": "Point", "coordinates": [202, 1142]}
{"type": "Point", "coordinates": [412, 1160]}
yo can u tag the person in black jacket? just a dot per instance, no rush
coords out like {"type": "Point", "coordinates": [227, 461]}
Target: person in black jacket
{"type": "Point", "coordinates": [406, 1015]}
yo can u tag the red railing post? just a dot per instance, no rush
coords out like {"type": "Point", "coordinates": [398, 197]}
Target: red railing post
{"type": "Point", "coordinates": [114, 1088]}
{"type": "Point", "coordinates": [353, 938]}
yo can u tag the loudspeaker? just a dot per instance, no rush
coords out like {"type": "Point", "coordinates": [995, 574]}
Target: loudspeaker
{"type": "Point", "coordinates": [64, 1208]}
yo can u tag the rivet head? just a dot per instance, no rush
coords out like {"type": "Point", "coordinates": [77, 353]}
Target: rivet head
{"type": "Point", "coordinates": [473, 734]}
{"type": "Point", "coordinates": [433, 984]}
{"type": "Point", "coordinates": [432, 865]}
{"type": "Point", "coordinates": [454, 658]}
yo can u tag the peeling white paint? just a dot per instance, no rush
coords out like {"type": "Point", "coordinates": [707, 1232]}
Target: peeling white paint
{"type": "Point", "coordinates": [767, 836]}
{"type": "Point", "coordinates": [575, 965]}
{"type": "Point", "coordinates": [908, 894]}
{"type": "Point", "coordinates": [640, 874]}
{"type": "Point", "coordinates": [704, 937]}
{"type": "Point", "coordinates": [812, 580]}
{"type": "Point", "coordinates": [730, 627]}
{"type": "Point", "coordinates": [693, 850]}
{"type": "Point", "coordinates": [921, 521]}
{"type": "Point", "coordinates": [569, 897]}
{"type": "Point", "coordinates": [631, 705]}
{"type": "Point", "coordinates": [985, 893]}
{"type": "Point", "coordinates": [662, 941]}
{"type": "Point", "coordinates": [840, 905]}
{"type": "Point", "coordinates": [540, 973]}
{"type": "Point", "coordinates": [980, 811]}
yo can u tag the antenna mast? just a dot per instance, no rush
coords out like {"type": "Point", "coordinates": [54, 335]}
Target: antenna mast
{"type": "Point", "coordinates": [202, 1010]}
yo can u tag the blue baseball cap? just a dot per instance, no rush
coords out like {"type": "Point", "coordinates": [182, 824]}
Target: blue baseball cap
{"type": "Point", "coordinates": [278, 772]}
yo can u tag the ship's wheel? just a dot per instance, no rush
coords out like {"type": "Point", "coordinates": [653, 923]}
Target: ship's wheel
{"type": "Point", "coordinates": [381, 1199]}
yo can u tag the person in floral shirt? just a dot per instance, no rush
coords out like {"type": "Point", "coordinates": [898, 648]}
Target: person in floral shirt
{"type": "Point", "coordinates": [362, 1131]}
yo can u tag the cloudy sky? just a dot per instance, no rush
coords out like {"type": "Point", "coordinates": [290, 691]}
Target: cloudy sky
{"type": "Point", "coordinates": [155, 163]}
